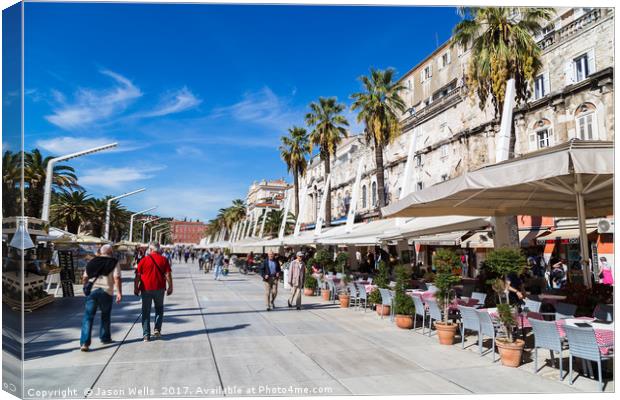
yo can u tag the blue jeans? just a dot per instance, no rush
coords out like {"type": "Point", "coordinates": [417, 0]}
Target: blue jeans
{"type": "Point", "coordinates": [217, 271]}
{"type": "Point", "coordinates": [148, 297]}
{"type": "Point", "coordinates": [98, 298]}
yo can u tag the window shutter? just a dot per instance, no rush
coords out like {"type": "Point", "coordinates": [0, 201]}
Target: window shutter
{"type": "Point", "coordinates": [547, 83]}
{"type": "Point", "coordinates": [569, 72]}
{"type": "Point", "coordinates": [551, 137]}
{"type": "Point", "coordinates": [591, 63]}
{"type": "Point", "coordinates": [449, 55]}
{"type": "Point", "coordinates": [422, 75]}
{"type": "Point", "coordinates": [430, 70]}
{"type": "Point", "coordinates": [532, 142]}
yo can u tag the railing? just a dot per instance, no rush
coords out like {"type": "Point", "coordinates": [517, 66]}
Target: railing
{"type": "Point", "coordinates": [572, 28]}
{"type": "Point", "coordinates": [435, 105]}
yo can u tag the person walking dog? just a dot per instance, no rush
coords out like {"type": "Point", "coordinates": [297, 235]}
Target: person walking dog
{"type": "Point", "coordinates": [101, 276]}
{"type": "Point", "coordinates": [296, 276]}
{"type": "Point", "coordinates": [270, 271]}
{"type": "Point", "coordinates": [152, 276]}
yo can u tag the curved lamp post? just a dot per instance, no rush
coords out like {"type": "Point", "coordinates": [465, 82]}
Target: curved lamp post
{"type": "Point", "coordinates": [107, 210]}
{"type": "Point", "coordinates": [131, 220]}
{"type": "Point", "coordinates": [144, 226]}
{"type": "Point", "coordinates": [155, 227]}
{"type": "Point", "coordinates": [47, 194]}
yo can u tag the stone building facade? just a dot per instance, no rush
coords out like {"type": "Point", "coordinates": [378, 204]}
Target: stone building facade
{"type": "Point", "coordinates": [572, 97]}
{"type": "Point", "coordinates": [265, 195]}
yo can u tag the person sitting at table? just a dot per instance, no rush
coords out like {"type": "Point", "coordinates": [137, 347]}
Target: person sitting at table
{"type": "Point", "coordinates": [514, 286]}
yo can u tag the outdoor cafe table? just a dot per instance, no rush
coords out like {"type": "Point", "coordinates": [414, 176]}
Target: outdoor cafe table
{"type": "Point", "coordinates": [551, 298]}
{"type": "Point", "coordinates": [604, 333]}
{"type": "Point", "coordinates": [454, 304]}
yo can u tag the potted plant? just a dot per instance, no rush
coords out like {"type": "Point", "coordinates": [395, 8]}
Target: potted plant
{"type": "Point", "coordinates": [310, 283]}
{"type": "Point", "coordinates": [324, 259]}
{"type": "Point", "coordinates": [374, 297]}
{"type": "Point", "coordinates": [445, 262]}
{"type": "Point", "coordinates": [404, 307]}
{"type": "Point", "coordinates": [504, 262]}
{"type": "Point", "coordinates": [343, 294]}
{"type": "Point", "coordinates": [342, 260]}
{"type": "Point", "coordinates": [382, 280]}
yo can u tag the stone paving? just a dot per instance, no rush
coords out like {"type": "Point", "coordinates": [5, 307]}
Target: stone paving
{"type": "Point", "coordinates": [218, 339]}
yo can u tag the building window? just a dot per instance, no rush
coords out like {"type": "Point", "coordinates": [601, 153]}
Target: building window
{"type": "Point", "coordinates": [541, 135]}
{"type": "Point", "coordinates": [585, 123]}
{"type": "Point", "coordinates": [443, 150]}
{"type": "Point", "coordinates": [543, 138]}
{"type": "Point", "coordinates": [364, 196]}
{"type": "Point", "coordinates": [419, 186]}
{"type": "Point", "coordinates": [582, 70]}
{"type": "Point", "coordinates": [445, 59]}
{"type": "Point", "coordinates": [444, 177]}
{"type": "Point", "coordinates": [418, 160]}
{"type": "Point", "coordinates": [374, 194]}
{"type": "Point", "coordinates": [427, 72]}
{"type": "Point", "coordinates": [541, 86]}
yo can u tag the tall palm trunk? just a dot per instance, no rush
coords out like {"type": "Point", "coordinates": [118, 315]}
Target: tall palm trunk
{"type": "Point", "coordinates": [380, 176]}
{"type": "Point", "coordinates": [296, 182]}
{"type": "Point", "coordinates": [328, 205]}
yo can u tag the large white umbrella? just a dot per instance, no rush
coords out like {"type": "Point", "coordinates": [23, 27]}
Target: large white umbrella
{"type": "Point", "coordinates": [574, 179]}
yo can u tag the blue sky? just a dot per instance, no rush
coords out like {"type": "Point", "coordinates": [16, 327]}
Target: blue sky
{"type": "Point", "coordinates": [198, 95]}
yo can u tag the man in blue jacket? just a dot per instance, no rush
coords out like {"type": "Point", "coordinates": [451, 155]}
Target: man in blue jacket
{"type": "Point", "coordinates": [270, 271]}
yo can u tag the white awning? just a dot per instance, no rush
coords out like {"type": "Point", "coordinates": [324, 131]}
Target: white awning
{"type": "Point", "coordinates": [365, 233]}
{"type": "Point", "coordinates": [442, 239]}
{"type": "Point", "coordinates": [416, 227]}
{"type": "Point", "coordinates": [540, 183]}
{"type": "Point", "coordinates": [569, 234]}
{"type": "Point", "coordinates": [479, 240]}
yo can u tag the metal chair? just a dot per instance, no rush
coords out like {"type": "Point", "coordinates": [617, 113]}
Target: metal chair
{"type": "Point", "coordinates": [481, 297]}
{"type": "Point", "coordinates": [469, 321]}
{"type": "Point", "coordinates": [320, 285]}
{"type": "Point", "coordinates": [604, 312]}
{"type": "Point", "coordinates": [353, 296]}
{"type": "Point", "coordinates": [546, 336]}
{"type": "Point", "coordinates": [386, 300]}
{"type": "Point", "coordinates": [420, 310]}
{"type": "Point", "coordinates": [434, 313]}
{"type": "Point", "coordinates": [532, 305]}
{"type": "Point", "coordinates": [565, 310]}
{"type": "Point", "coordinates": [487, 328]}
{"type": "Point", "coordinates": [361, 296]}
{"type": "Point", "coordinates": [582, 344]}
{"type": "Point", "coordinates": [333, 291]}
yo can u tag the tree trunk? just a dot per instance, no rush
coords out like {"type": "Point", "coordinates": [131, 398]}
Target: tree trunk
{"type": "Point", "coordinates": [328, 205]}
{"type": "Point", "coordinates": [296, 181]}
{"type": "Point", "coordinates": [380, 176]}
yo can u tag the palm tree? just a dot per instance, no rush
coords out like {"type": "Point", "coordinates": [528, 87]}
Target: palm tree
{"type": "Point", "coordinates": [119, 218]}
{"type": "Point", "coordinates": [379, 106]}
{"type": "Point", "coordinates": [328, 129]}
{"type": "Point", "coordinates": [503, 47]}
{"type": "Point", "coordinates": [35, 173]}
{"type": "Point", "coordinates": [293, 151]}
{"type": "Point", "coordinates": [11, 178]}
{"type": "Point", "coordinates": [274, 221]}
{"type": "Point", "coordinates": [70, 209]}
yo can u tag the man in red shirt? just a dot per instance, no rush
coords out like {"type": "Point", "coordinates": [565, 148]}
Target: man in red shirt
{"type": "Point", "coordinates": [152, 275]}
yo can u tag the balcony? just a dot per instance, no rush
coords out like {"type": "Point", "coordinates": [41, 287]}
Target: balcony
{"type": "Point", "coordinates": [573, 28]}
{"type": "Point", "coordinates": [452, 97]}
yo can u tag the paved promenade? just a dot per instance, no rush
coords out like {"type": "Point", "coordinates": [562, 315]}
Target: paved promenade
{"type": "Point", "coordinates": [218, 339]}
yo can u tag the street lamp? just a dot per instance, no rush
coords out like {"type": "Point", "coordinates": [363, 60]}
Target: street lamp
{"type": "Point", "coordinates": [154, 227]}
{"type": "Point", "coordinates": [107, 210]}
{"type": "Point", "coordinates": [160, 233]}
{"type": "Point", "coordinates": [47, 194]}
{"type": "Point", "coordinates": [144, 226]}
{"type": "Point", "coordinates": [131, 221]}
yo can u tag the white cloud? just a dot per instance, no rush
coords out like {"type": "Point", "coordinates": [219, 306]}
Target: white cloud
{"type": "Point", "coordinates": [189, 151]}
{"type": "Point", "coordinates": [265, 108]}
{"type": "Point", "coordinates": [178, 101]}
{"type": "Point", "coordinates": [115, 178]}
{"type": "Point", "coordinates": [69, 144]}
{"type": "Point", "coordinates": [91, 106]}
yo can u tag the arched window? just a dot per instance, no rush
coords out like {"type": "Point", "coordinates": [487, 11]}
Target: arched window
{"type": "Point", "coordinates": [586, 127]}
{"type": "Point", "coordinates": [374, 194]}
{"type": "Point", "coordinates": [364, 196]}
{"type": "Point", "coordinates": [541, 135]}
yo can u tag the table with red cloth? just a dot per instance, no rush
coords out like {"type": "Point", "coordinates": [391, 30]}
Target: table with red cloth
{"type": "Point", "coordinates": [520, 318]}
{"type": "Point", "coordinates": [604, 333]}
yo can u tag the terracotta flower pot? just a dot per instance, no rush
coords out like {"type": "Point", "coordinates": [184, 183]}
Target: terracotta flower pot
{"type": "Point", "coordinates": [325, 294]}
{"type": "Point", "coordinates": [383, 310]}
{"type": "Point", "coordinates": [308, 292]}
{"type": "Point", "coordinates": [510, 353]}
{"type": "Point", "coordinates": [344, 300]}
{"type": "Point", "coordinates": [404, 321]}
{"type": "Point", "coordinates": [445, 333]}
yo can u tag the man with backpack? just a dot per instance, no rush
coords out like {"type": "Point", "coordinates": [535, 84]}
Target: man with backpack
{"type": "Point", "coordinates": [152, 276]}
{"type": "Point", "coordinates": [101, 276]}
